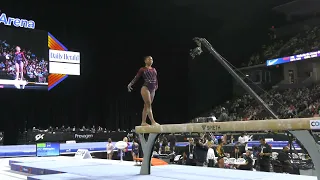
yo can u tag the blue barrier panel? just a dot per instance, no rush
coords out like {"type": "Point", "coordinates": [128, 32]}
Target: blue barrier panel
{"type": "Point", "coordinates": [30, 150]}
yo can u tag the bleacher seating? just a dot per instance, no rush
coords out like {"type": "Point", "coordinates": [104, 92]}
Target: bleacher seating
{"type": "Point", "coordinates": [287, 103]}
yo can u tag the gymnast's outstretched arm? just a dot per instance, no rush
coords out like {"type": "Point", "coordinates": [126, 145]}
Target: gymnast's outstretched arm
{"type": "Point", "coordinates": [135, 79]}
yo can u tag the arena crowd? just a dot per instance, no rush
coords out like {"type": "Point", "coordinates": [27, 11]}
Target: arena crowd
{"type": "Point", "coordinates": [286, 103]}
{"type": "Point", "coordinates": [92, 129]}
{"type": "Point", "coordinates": [306, 41]}
{"type": "Point", "coordinates": [299, 102]}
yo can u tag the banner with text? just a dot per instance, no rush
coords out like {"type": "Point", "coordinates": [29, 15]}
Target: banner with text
{"type": "Point", "coordinates": [64, 62]}
{"type": "Point", "coordinates": [76, 136]}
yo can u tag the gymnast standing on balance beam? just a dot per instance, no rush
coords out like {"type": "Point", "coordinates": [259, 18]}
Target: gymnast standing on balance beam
{"type": "Point", "coordinates": [148, 89]}
{"type": "Point", "coordinates": [18, 59]}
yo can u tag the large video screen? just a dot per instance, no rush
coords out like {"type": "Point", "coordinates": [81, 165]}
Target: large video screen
{"type": "Point", "coordinates": [48, 149]}
{"type": "Point", "coordinates": [293, 58]}
{"type": "Point", "coordinates": [24, 58]}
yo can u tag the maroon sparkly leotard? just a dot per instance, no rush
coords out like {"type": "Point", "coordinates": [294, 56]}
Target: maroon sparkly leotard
{"type": "Point", "coordinates": [149, 76]}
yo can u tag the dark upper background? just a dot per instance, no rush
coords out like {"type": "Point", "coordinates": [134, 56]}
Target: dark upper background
{"type": "Point", "coordinates": [113, 37]}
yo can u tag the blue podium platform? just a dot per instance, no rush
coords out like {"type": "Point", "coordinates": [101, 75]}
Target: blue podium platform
{"type": "Point", "coordinates": [69, 168]}
{"type": "Point", "coordinates": [30, 150]}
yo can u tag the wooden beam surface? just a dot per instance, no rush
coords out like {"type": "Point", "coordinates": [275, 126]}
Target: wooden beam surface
{"type": "Point", "coordinates": [232, 126]}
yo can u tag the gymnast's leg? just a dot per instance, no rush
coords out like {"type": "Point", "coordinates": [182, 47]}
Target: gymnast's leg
{"type": "Point", "coordinates": [144, 112]}
{"type": "Point", "coordinates": [21, 70]}
{"type": "Point", "coordinates": [144, 116]}
{"type": "Point", "coordinates": [147, 110]}
{"type": "Point", "coordinates": [17, 70]}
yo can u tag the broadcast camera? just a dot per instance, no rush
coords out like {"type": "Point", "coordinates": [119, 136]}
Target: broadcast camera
{"type": "Point", "coordinates": [196, 51]}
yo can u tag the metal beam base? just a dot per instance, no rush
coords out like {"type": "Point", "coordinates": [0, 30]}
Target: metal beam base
{"type": "Point", "coordinates": [310, 144]}
{"type": "Point", "coordinates": [147, 148]}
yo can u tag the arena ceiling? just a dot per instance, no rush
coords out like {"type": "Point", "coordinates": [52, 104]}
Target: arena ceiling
{"type": "Point", "coordinates": [228, 9]}
{"type": "Point", "coordinates": [232, 14]}
{"type": "Point", "coordinates": [299, 7]}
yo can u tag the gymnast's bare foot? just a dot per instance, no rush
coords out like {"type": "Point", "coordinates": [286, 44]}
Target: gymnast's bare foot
{"type": "Point", "coordinates": [145, 124]}
{"type": "Point", "coordinates": [155, 124]}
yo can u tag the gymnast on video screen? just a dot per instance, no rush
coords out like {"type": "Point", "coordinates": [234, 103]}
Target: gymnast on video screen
{"type": "Point", "coordinates": [19, 60]}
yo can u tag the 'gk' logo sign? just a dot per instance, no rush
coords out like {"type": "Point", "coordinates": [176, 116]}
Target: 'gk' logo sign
{"type": "Point", "coordinates": [38, 137]}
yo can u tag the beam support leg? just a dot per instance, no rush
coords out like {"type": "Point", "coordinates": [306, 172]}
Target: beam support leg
{"type": "Point", "coordinates": [310, 144]}
{"type": "Point", "coordinates": [147, 148]}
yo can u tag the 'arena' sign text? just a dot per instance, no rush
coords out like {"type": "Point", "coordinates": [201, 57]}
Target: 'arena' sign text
{"type": "Point", "coordinates": [10, 21]}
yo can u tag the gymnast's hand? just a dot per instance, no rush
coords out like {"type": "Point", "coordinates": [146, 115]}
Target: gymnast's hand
{"type": "Point", "coordinates": [129, 88]}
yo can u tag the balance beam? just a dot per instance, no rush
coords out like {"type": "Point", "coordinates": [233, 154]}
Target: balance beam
{"type": "Point", "coordinates": [233, 126]}
{"type": "Point", "coordinates": [13, 82]}
{"type": "Point", "coordinates": [299, 127]}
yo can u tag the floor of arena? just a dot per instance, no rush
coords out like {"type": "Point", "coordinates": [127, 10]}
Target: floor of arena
{"type": "Point", "coordinates": [70, 168]}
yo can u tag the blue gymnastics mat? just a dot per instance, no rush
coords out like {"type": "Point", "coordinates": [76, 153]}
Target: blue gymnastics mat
{"type": "Point", "coordinates": [69, 168]}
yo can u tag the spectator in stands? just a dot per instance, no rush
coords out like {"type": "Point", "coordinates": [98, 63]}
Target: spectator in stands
{"type": "Point", "coordinates": [93, 129]}
{"type": "Point", "coordinates": [264, 155]}
{"type": "Point", "coordinates": [99, 129]}
{"type": "Point", "coordinates": [110, 148]}
{"type": "Point", "coordinates": [284, 159]}
{"type": "Point", "coordinates": [84, 129]}
{"type": "Point", "coordinates": [223, 116]}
